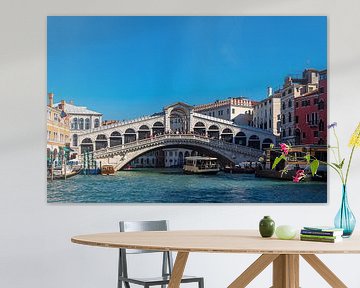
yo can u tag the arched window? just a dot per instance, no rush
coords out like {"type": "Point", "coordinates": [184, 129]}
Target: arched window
{"type": "Point", "coordinates": [101, 142]}
{"type": "Point", "coordinates": [290, 103]}
{"type": "Point", "coordinates": [266, 143]}
{"type": "Point", "coordinates": [227, 135]}
{"type": "Point", "coordinates": [74, 124]}
{"type": "Point", "coordinates": [75, 140]}
{"type": "Point", "coordinates": [289, 116]}
{"type": "Point", "coordinates": [240, 139]}
{"type": "Point", "coordinates": [213, 132]}
{"type": "Point", "coordinates": [254, 142]}
{"type": "Point", "coordinates": [115, 139]}
{"type": "Point", "coordinates": [87, 123]}
{"type": "Point", "coordinates": [158, 128]}
{"type": "Point", "coordinates": [96, 123]}
{"type": "Point", "coordinates": [81, 124]}
{"type": "Point", "coordinates": [87, 145]}
{"type": "Point", "coordinates": [144, 132]}
{"type": "Point", "coordinates": [199, 128]}
{"type": "Point", "coordinates": [129, 135]}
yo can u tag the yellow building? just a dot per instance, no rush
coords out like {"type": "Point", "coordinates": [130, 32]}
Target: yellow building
{"type": "Point", "coordinates": [58, 128]}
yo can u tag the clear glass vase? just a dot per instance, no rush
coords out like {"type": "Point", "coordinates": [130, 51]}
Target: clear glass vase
{"type": "Point", "coordinates": [345, 219]}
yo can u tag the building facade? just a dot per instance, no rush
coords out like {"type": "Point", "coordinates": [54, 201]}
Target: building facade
{"type": "Point", "coordinates": [58, 129]}
{"type": "Point", "coordinates": [81, 120]}
{"type": "Point", "coordinates": [293, 88]}
{"type": "Point", "coordinates": [238, 109]}
{"type": "Point", "coordinates": [267, 113]}
{"type": "Point", "coordinates": [311, 115]}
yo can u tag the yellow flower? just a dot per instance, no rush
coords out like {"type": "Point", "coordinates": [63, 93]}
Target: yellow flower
{"type": "Point", "coordinates": [355, 138]}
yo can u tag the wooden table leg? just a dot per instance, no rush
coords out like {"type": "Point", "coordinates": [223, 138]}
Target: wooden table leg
{"type": "Point", "coordinates": [286, 271]}
{"type": "Point", "coordinates": [253, 270]}
{"type": "Point", "coordinates": [324, 271]}
{"type": "Point", "coordinates": [178, 270]}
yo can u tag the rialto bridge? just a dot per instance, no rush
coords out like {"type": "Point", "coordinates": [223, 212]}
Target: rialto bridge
{"type": "Point", "coordinates": [178, 126]}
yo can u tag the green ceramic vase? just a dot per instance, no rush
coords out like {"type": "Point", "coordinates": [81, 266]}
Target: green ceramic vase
{"type": "Point", "coordinates": [267, 227]}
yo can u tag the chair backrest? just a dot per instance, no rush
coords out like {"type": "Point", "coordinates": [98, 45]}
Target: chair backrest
{"type": "Point", "coordinates": [137, 226]}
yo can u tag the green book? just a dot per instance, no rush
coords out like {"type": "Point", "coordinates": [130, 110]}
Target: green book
{"type": "Point", "coordinates": [319, 236]}
{"type": "Point", "coordinates": [325, 240]}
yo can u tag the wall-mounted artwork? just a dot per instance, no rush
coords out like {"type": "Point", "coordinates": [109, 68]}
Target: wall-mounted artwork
{"type": "Point", "coordinates": [145, 109]}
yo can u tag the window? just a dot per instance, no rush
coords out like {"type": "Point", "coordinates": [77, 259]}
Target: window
{"type": "Point", "coordinates": [284, 133]}
{"type": "Point", "coordinates": [283, 119]}
{"type": "Point", "coordinates": [296, 119]}
{"type": "Point", "coordinates": [87, 123]}
{"type": "Point", "coordinates": [321, 90]}
{"type": "Point", "coordinates": [290, 103]}
{"type": "Point", "coordinates": [283, 106]}
{"type": "Point", "coordinates": [321, 125]}
{"type": "Point", "coordinates": [233, 110]}
{"type": "Point", "coordinates": [228, 111]}
{"type": "Point", "coordinates": [316, 101]}
{"type": "Point", "coordinates": [316, 133]}
{"type": "Point", "coordinates": [304, 135]}
{"type": "Point", "coordinates": [75, 140]}
{"type": "Point", "coordinates": [74, 124]}
{"type": "Point", "coordinates": [321, 105]}
{"type": "Point", "coordinates": [290, 132]}
{"type": "Point", "coordinates": [269, 124]}
{"type": "Point", "coordinates": [297, 104]}
{"type": "Point", "coordinates": [290, 117]}
{"type": "Point", "coordinates": [81, 124]}
{"type": "Point", "coordinates": [283, 94]}
{"type": "Point", "coordinates": [289, 91]}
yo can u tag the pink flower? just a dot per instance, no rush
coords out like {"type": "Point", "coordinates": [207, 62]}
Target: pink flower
{"type": "Point", "coordinates": [284, 148]}
{"type": "Point", "coordinates": [299, 175]}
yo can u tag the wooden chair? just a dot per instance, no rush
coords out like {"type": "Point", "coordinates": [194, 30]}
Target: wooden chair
{"type": "Point", "coordinates": [167, 262]}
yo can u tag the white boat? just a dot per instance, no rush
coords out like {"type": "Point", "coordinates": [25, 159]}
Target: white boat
{"type": "Point", "coordinates": [200, 165]}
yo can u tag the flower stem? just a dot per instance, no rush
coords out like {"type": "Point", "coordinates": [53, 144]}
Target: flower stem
{"type": "Point", "coordinates": [348, 166]}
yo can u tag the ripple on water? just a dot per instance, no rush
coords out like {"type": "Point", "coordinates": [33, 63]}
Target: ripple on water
{"type": "Point", "coordinates": [172, 186]}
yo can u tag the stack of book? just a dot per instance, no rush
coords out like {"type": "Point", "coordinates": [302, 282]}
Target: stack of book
{"type": "Point", "coordinates": [321, 234]}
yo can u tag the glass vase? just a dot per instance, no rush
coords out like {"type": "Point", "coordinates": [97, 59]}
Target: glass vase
{"type": "Point", "coordinates": [345, 219]}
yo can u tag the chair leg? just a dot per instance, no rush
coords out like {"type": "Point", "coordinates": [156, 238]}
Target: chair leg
{"type": "Point", "coordinates": [201, 283]}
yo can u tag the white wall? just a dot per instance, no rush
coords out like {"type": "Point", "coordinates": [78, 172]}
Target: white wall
{"type": "Point", "coordinates": [35, 248]}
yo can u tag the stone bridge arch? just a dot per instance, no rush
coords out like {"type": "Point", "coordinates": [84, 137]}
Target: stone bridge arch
{"type": "Point", "coordinates": [227, 153]}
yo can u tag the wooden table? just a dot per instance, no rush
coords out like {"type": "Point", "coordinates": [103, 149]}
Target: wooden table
{"type": "Point", "coordinates": [284, 254]}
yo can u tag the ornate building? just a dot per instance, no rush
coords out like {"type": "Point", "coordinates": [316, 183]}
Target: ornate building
{"type": "Point", "coordinates": [238, 109]}
{"type": "Point", "coordinates": [58, 129]}
{"type": "Point", "coordinates": [266, 113]}
{"type": "Point", "coordinates": [81, 120]}
{"type": "Point", "coordinates": [292, 89]}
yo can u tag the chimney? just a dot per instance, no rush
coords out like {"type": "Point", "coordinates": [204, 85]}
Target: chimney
{"type": "Point", "coordinates": [62, 107]}
{"type": "Point", "coordinates": [51, 99]}
{"type": "Point", "coordinates": [269, 91]}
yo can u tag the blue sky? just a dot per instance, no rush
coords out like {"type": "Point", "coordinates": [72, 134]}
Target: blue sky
{"type": "Point", "coordinates": [126, 67]}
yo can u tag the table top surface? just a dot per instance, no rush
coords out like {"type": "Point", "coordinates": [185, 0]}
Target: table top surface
{"type": "Point", "coordinates": [217, 241]}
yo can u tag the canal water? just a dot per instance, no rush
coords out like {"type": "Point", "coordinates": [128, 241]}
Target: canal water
{"type": "Point", "coordinates": [172, 186]}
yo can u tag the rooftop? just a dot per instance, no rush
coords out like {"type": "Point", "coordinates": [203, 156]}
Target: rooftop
{"type": "Point", "coordinates": [73, 109]}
